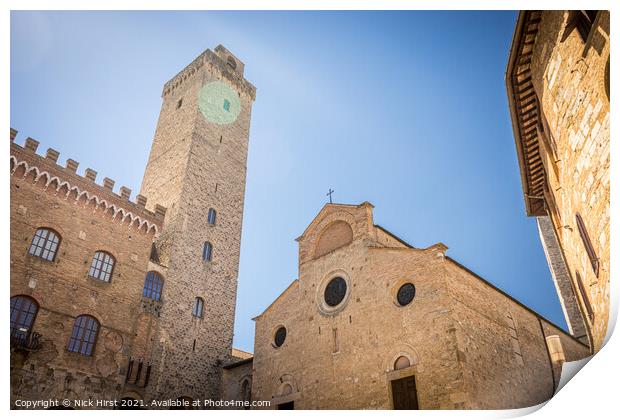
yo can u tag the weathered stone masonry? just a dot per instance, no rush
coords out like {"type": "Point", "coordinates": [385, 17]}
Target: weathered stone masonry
{"type": "Point", "coordinates": [197, 164]}
{"type": "Point", "coordinates": [467, 344]}
{"type": "Point", "coordinates": [558, 91]}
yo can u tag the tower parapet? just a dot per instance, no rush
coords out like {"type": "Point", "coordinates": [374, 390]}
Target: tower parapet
{"type": "Point", "coordinates": [222, 62]}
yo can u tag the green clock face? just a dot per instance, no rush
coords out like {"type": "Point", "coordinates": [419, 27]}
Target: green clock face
{"type": "Point", "coordinates": [219, 103]}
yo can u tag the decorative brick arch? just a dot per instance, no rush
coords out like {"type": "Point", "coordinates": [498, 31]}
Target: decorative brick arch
{"type": "Point", "coordinates": [288, 386]}
{"type": "Point", "coordinates": [335, 235]}
{"type": "Point", "coordinates": [400, 350]}
{"type": "Point", "coordinates": [323, 227]}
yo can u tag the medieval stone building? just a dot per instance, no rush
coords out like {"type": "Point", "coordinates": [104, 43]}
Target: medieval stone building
{"type": "Point", "coordinates": [558, 92]}
{"type": "Point", "coordinates": [373, 322]}
{"type": "Point", "coordinates": [134, 301]}
{"type": "Point", "coordinates": [114, 299]}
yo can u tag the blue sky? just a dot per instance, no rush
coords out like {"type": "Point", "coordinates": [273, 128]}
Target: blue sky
{"type": "Point", "coordinates": [406, 110]}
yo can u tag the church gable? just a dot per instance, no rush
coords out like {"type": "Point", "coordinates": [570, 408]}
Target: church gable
{"type": "Point", "coordinates": [335, 226]}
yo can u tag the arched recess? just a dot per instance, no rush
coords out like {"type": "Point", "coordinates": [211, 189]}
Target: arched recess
{"type": "Point", "coordinates": [335, 235]}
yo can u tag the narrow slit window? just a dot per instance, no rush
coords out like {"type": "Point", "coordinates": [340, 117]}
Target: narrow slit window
{"type": "Point", "coordinates": [207, 251]}
{"type": "Point", "coordinates": [198, 307]}
{"type": "Point", "coordinates": [336, 348]}
{"type": "Point", "coordinates": [226, 105]}
{"type": "Point", "coordinates": [211, 216]}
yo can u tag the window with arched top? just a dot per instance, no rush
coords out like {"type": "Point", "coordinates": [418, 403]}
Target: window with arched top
{"type": "Point", "coordinates": [23, 312]}
{"type": "Point", "coordinates": [153, 285]}
{"type": "Point", "coordinates": [198, 309]}
{"type": "Point", "coordinates": [84, 335]}
{"type": "Point", "coordinates": [211, 216]}
{"type": "Point", "coordinates": [231, 63]}
{"type": "Point", "coordinates": [246, 393]}
{"type": "Point", "coordinates": [44, 244]}
{"type": "Point", "coordinates": [102, 266]}
{"type": "Point", "coordinates": [401, 363]}
{"type": "Point", "coordinates": [207, 251]}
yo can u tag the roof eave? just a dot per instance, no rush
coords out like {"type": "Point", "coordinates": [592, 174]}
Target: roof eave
{"type": "Point", "coordinates": [514, 52]}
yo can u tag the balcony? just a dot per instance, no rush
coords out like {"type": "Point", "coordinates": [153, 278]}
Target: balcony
{"type": "Point", "coordinates": [25, 340]}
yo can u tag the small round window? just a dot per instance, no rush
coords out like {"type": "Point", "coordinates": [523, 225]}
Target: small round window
{"type": "Point", "coordinates": [280, 336]}
{"type": "Point", "coordinates": [405, 294]}
{"type": "Point", "coordinates": [335, 291]}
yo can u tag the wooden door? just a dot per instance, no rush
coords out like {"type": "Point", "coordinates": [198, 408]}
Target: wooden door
{"type": "Point", "coordinates": [404, 394]}
{"type": "Point", "coordinates": [289, 405]}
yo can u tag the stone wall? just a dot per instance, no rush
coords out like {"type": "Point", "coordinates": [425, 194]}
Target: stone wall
{"type": "Point", "coordinates": [88, 217]}
{"type": "Point", "coordinates": [571, 79]}
{"type": "Point", "coordinates": [237, 384]}
{"type": "Point", "coordinates": [501, 345]}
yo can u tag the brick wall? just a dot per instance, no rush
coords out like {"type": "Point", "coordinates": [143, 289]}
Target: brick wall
{"type": "Point", "coordinates": [88, 217]}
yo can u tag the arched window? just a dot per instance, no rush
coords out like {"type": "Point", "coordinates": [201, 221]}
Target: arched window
{"type": "Point", "coordinates": [84, 335]}
{"type": "Point", "coordinates": [211, 216]}
{"type": "Point", "coordinates": [401, 363]}
{"type": "Point", "coordinates": [207, 251]}
{"type": "Point", "coordinates": [44, 244]}
{"type": "Point", "coordinates": [246, 393]}
{"type": "Point", "coordinates": [152, 286]}
{"type": "Point", "coordinates": [231, 63]}
{"type": "Point", "coordinates": [198, 307]}
{"type": "Point", "coordinates": [102, 266]}
{"type": "Point", "coordinates": [23, 312]}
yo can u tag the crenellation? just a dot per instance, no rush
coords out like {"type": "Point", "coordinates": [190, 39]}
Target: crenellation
{"type": "Point", "coordinates": [90, 174]}
{"type": "Point", "coordinates": [72, 165]}
{"type": "Point", "coordinates": [141, 200]}
{"type": "Point", "coordinates": [125, 192]}
{"type": "Point", "coordinates": [13, 134]}
{"type": "Point", "coordinates": [31, 145]}
{"type": "Point", "coordinates": [108, 183]}
{"type": "Point", "coordinates": [52, 155]}
{"type": "Point", "coordinates": [217, 65]}
{"type": "Point", "coordinates": [160, 211]}
{"type": "Point", "coordinates": [46, 172]}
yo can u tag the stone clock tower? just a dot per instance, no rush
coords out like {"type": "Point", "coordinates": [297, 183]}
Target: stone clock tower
{"type": "Point", "coordinates": [197, 169]}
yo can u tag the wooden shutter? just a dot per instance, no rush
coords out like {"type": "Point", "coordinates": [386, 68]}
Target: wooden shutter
{"type": "Point", "coordinates": [584, 297]}
{"type": "Point", "coordinates": [587, 243]}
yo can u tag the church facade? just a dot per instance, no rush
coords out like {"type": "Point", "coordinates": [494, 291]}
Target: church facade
{"type": "Point", "coordinates": [373, 322]}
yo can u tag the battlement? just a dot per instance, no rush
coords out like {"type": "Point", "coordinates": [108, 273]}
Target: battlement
{"type": "Point", "coordinates": [227, 65]}
{"type": "Point", "coordinates": [47, 173]}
